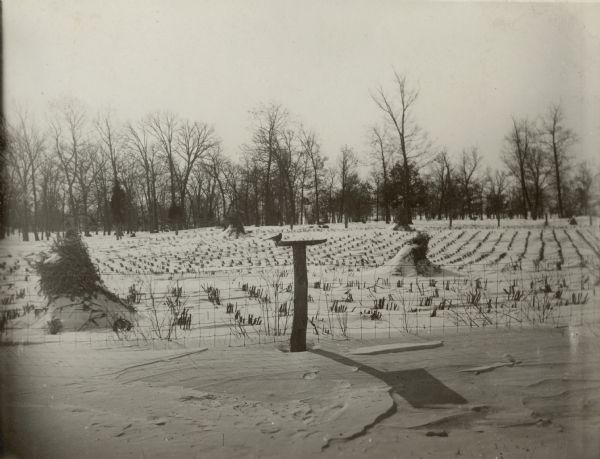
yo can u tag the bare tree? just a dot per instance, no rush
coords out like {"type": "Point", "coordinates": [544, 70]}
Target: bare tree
{"type": "Point", "coordinates": [131, 178]}
{"type": "Point", "coordinates": [538, 170]}
{"type": "Point", "coordinates": [68, 128]}
{"type": "Point", "coordinates": [252, 188]}
{"type": "Point", "coordinates": [194, 141]}
{"type": "Point", "coordinates": [518, 148]}
{"type": "Point", "coordinates": [110, 141]}
{"type": "Point", "coordinates": [202, 191]}
{"type": "Point", "coordinates": [216, 166]}
{"type": "Point", "coordinates": [20, 171]}
{"type": "Point", "coordinates": [312, 151]}
{"type": "Point", "coordinates": [584, 182]}
{"type": "Point", "coordinates": [32, 146]}
{"type": "Point", "coordinates": [409, 142]}
{"type": "Point", "coordinates": [85, 174]}
{"type": "Point", "coordinates": [347, 167]}
{"type": "Point", "coordinates": [444, 176]}
{"type": "Point", "coordinates": [50, 190]}
{"type": "Point", "coordinates": [270, 121]}
{"type": "Point", "coordinates": [163, 127]}
{"type": "Point", "coordinates": [382, 154]}
{"type": "Point", "coordinates": [138, 140]}
{"type": "Point", "coordinates": [496, 193]}
{"type": "Point", "coordinates": [557, 139]}
{"type": "Point", "coordinates": [303, 179]}
{"type": "Point", "coordinates": [375, 178]}
{"type": "Point", "coordinates": [329, 179]}
{"type": "Point", "coordinates": [233, 174]}
{"type": "Point", "coordinates": [101, 182]}
{"type": "Point", "coordinates": [291, 161]}
{"type": "Point", "coordinates": [467, 178]}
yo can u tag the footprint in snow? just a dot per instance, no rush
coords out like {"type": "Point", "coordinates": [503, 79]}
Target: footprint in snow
{"type": "Point", "coordinates": [267, 427]}
{"type": "Point", "coordinates": [189, 398]}
{"type": "Point", "coordinates": [310, 375]}
{"type": "Point", "coordinates": [157, 420]}
{"type": "Point", "coordinates": [120, 434]}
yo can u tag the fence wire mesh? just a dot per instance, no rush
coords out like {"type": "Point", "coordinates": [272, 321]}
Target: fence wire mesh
{"type": "Point", "coordinates": [243, 306]}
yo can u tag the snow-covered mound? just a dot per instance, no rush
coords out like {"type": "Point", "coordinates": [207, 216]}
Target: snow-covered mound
{"type": "Point", "coordinates": [411, 260]}
{"type": "Point", "coordinates": [403, 263]}
{"type": "Point", "coordinates": [95, 311]}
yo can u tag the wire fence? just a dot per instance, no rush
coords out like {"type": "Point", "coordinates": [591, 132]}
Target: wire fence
{"type": "Point", "coordinates": [246, 306]}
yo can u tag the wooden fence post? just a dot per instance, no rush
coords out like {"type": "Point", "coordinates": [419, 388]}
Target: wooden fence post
{"type": "Point", "coordinates": [300, 320]}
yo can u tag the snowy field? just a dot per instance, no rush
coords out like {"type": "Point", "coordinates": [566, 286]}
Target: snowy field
{"type": "Point", "coordinates": [204, 287]}
{"type": "Point", "coordinates": [517, 375]}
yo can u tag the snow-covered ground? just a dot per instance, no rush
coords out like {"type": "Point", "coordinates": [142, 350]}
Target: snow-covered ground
{"type": "Point", "coordinates": [221, 385]}
{"type": "Point", "coordinates": [239, 291]}
{"type": "Point", "coordinates": [65, 400]}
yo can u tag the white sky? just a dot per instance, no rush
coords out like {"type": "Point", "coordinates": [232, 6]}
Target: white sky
{"type": "Point", "coordinates": [475, 64]}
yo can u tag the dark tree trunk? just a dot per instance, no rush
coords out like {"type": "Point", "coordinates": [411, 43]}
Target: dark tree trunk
{"type": "Point", "coordinates": [35, 206]}
{"type": "Point", "coordinates": [377, 191]}
{"type": "Point", "coordinates": [25, 221]}
{"type": "Point", "coordinates": [557, 173]}
{"type": "Point", "coordinates": [154, 208]}
{"type": "Point", "coordinates": [403, 216]}
{"type": "Point", "coordinates": [267, 210]}
{"type": "Point", "coordinates": [292, 209]}
{"type": "Point", "coordinates": [317, 215]}
{"type": "Point", "coordinates": [84, 199]}
{"type": "Point", "coordinates": [525, 196]}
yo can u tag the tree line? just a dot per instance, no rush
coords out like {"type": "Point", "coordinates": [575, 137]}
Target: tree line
{"type": "Point", "coordinates": [92, 173]}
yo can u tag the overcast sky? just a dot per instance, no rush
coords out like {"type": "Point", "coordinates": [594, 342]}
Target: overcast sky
{"type": "Point", "coordinates": [476, 65]}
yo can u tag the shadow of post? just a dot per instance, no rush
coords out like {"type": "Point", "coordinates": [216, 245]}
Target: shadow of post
{"type": "Point", "coordinates": [417, 386]}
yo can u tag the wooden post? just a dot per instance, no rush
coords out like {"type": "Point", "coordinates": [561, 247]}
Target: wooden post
{"type": "Point", "coordinates": [300, 321]}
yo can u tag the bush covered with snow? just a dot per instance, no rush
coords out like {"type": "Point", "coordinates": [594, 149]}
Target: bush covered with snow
{"type": "Point", "coordinates": [421, 242]}
{"type": "Point", "coordinates": [69, 270]}
{"type": "Point", "coordinates": [77, 298]}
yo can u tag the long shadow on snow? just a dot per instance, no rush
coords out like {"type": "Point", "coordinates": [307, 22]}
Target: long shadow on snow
{"type": "Point", "coordinates": [417, 386]}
